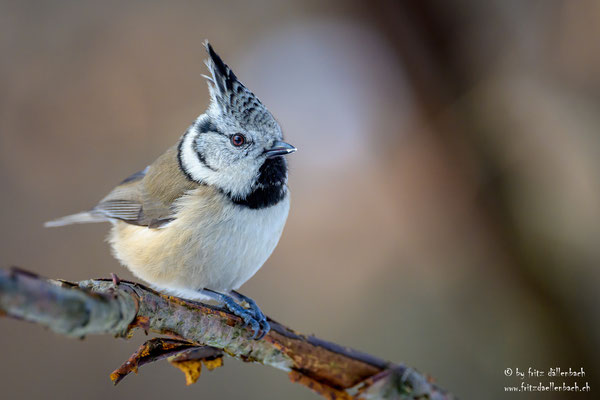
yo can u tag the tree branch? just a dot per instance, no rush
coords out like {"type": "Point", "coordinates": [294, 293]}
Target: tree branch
{"type": "Point", "coordinates": [104, 306]}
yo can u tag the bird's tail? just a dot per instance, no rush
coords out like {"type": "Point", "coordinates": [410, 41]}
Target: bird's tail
{"type": "Point", "coordinates": [80, 218]}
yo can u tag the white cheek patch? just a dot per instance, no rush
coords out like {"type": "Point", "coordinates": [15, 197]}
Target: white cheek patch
{"type": "Point", "coordinates": [237, 179]}
{"type": "Point", "coordinates": [190, 161]}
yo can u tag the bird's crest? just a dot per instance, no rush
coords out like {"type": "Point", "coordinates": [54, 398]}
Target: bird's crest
{"type": "Point", "coordinates": [230, 95]}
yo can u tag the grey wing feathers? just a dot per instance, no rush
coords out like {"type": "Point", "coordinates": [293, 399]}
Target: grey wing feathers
{"type": "Point", "coordinates": [145, 198]}
{"type": "Point", "coordinates": [127, 210]}
{"type": "Point", "coordinates": [122, 203]}
{"type": "Point", "coordinates": [133, 212]}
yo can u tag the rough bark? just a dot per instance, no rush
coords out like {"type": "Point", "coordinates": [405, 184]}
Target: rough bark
{"type": "Point", "coordinates": [199, 331]}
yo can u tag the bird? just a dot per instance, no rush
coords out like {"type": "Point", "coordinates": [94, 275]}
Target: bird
{"type": "Point", "coordinates": [204, 217]}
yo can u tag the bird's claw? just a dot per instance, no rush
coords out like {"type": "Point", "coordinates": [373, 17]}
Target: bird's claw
{"type": "Point", "coordinates": [257, 314]}
{"type": "Point", "coordinates": [263, 323]}
{"type": "Point", "coordinates": [250, 318]}
{"type": "Point", "coordinates": [254, 325]}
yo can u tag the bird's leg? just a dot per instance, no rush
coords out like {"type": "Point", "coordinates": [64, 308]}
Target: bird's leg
{"type": "Point", "coordinates": [248, 316]}
{"type": "Point", "coordinates": [258, 314]}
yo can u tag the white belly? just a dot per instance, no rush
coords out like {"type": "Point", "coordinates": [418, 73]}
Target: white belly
{"type": "Point", "coordinates": [208, 245]}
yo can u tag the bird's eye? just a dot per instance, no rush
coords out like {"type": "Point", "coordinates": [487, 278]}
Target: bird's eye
{"type": "Point", "coordinates": [238, 139]}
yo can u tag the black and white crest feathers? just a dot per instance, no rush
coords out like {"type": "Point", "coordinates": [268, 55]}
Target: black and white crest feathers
{"type": "Point", "coordinates": [231, 97]}
{"type": "Point", "coordinates": [222, 76]}
{"type": "Point", "coordinates": [224, 86]}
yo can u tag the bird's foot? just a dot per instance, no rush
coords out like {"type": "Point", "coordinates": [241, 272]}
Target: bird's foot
{"type": "Point", "coordinates": [252, 316]}
{"type": "Point", "coordinates": [257, 313]}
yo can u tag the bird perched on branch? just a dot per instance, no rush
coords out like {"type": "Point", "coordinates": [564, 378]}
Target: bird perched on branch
{"type": "Point", "coordinates": [206, 215]}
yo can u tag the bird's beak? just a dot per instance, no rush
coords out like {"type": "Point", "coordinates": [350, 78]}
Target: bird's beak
{"type": "Point", "coordinates": [280, 149]}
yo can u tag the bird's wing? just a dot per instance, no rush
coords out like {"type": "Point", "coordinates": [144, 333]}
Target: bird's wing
{"type": "Point", "coordinates": [124, 202]}
{"type": "Point", "coordinates": [145, 198]}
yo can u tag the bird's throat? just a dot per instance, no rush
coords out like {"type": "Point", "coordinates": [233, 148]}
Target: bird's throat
{"type": "Point", "coordinates": [270, 186]}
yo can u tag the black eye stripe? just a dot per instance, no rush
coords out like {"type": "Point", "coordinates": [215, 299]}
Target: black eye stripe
{"type": "Point", "coordinates": [200, 155]}
{"type": "Point", "coordinates": [207, 126]}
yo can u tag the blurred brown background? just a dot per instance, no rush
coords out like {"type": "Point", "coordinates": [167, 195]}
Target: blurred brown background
{"type": "Point", "coordinates": [446, 195]}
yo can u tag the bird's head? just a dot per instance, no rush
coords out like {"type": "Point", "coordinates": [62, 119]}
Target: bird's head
{"type": "Point", "coordinates": [236, 145]}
